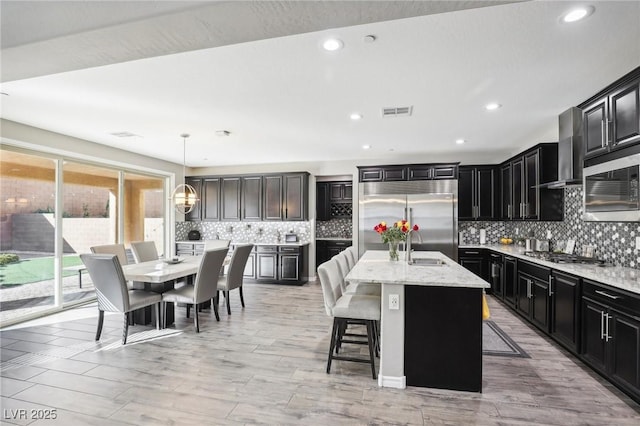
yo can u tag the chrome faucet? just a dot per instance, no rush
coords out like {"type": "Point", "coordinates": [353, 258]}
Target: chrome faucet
{"type": "Point", "coordinates": [408, 248]}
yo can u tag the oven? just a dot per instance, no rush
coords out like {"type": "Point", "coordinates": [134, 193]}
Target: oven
{"type": "Point", "coordinates": [611, 190]}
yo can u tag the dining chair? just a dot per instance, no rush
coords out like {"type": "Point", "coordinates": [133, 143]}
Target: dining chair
{"type": "Point", "coordinates": [352, 253]}
{"type": "Point", "coordinates": [112, 292]}
{"type": "Point", "coordinates": [117, 249]}
{"type": "Point", "coordinates": [215, 244]}
{"type": "Point", "coordinates": [144, 251]}
{"type": "Point", "coordinates": [205, 287]}
{"type": "Point", "coordinates": [347, 309]}
{"type": "Point", "coordinates": [234, 276]}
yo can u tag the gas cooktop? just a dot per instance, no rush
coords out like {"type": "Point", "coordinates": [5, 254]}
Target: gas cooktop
{"type": "Point", "coordinates": [564, 258]}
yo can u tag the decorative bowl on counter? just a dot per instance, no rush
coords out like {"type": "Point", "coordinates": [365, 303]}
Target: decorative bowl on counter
{"type": "Point", "coordinates": [506, 240]}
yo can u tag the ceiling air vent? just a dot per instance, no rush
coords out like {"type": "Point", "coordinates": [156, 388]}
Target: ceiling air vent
{"type": "Point", "coordinates": [397, 111]}
{"type": "Point", "coordinates": [123, 134]}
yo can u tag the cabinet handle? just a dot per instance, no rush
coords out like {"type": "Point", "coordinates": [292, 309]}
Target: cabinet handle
{"type": "Point", "coordinates": [529, 289]}
{"type": "Point", "coordinates": [606, 327]}
{"type": "Point", "coordinates": [471, 252]}
{"type": "Point", "coordinates": [509, 258]}
{"type": "Point", "coordinates": [602, 326]}
{"type": "Point", "coordinates": [603, 133]}
{"type": "Point", "coordinates": [509, 211]}
{"type": "Point", "coordinates": [609, 132]}
{"type": "Point", "coordinates": [610, 296]}
{"type": "Point", "coordinates": [550, 284]}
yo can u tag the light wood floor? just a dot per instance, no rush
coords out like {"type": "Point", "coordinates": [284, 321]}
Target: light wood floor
{"type": "Point", "coordinates": [266, 364]}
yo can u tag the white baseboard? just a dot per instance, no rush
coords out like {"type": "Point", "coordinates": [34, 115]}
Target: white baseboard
{"type": "Point", "coordinates": [392, 382]}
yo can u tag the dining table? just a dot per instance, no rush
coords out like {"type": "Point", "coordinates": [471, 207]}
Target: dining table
{"type": "Point", "coordinates": [160, 276]}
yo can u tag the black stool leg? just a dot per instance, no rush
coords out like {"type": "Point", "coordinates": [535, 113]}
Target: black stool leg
{"type": "Point", "coordinates": [126, 328]}
{"type": "Point", "coordinates": [100, 322]}
{"type": "Point", "coordinates": [334, 336]}
{"type": "Point", "coordinates": [241, 297]}
{"type": "Point", "coordinates": [370, 331]}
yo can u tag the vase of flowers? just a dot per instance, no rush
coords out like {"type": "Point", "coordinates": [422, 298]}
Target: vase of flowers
{"type": "Point", "coordinates": [393, 235]}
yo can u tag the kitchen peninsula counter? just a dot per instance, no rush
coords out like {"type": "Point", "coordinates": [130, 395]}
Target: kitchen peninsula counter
{"type": "Point", "coordinates": [433, 337]}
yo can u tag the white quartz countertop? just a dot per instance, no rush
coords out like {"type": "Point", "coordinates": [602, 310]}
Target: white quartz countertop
{"type": "Point", "coordinates": [296, 244]}
{"type": "Point", "coordinates": [375, 267]}
{"type": "Point", "coordinates": [615, 276]}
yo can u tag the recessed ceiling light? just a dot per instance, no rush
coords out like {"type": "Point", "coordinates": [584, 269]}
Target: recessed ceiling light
{"type": "Point", "coordinates": [460, 141]}
{"type": "Point", "coordinates": [222, 133]}
{"type": "Point", "coordinates": [492, 106]}
{"type": "Point", "coordinates": [370, 38]}
{"type": "Point", "coordinates": [577, 14]}
{"type": "Point", "coordinates": [332, 44]}
{"type": "Point", "coordinates": [355, 116]}
{"type": "Point", "coordinates": [366, 146]}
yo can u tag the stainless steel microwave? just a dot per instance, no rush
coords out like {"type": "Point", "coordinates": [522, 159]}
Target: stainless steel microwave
{"type": "Point", "coordinates": [611, 190]}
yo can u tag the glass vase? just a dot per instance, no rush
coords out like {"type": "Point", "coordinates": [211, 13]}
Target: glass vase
{"type": "Point", "coordinates": [393, 251]}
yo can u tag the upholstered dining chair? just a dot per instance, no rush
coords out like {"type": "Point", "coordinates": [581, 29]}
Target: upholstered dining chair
{"type": "Point", "coordinates": [352, 253]}
{"type": "Point", "coordinates": [205, 287]}
{"type": "Point", "coordinates": [215, 244]}
{"type": "Point", "coordinates": [144, 251]}
{"type": "Point", "coordinates": [235, 274]}
{"type": "Point", "coordinates": [346, 309]}
{"type": "Point", "coordinates": [112, 292]}
{"type": "Point", "coordinates": [117, 249]}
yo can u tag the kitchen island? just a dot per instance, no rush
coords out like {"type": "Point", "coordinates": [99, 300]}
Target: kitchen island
{"type": "Point", "coordinates": [431, 320]}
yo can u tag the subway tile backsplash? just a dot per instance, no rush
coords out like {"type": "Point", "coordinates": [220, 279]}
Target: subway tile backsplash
{"type": "Point", "coordinates": [615, 242]}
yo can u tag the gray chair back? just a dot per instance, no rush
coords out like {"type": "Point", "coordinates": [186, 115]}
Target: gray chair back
{"type": "Point", "coordinates": [108, 279]}
{"type": "Point", "coordinates": [343, 267]}
{"type": "Point", "coordinates": [235, 273]}
{"type": "Point", "coordinates": [330, 281]}
{"type": "Point", "coordinates": [117, 249]}
{"type": "Point", "coordinates": [216, 244]}
{"type": "Point", "coordinates": [144, 251]}
{"type": "Point", "coordinates": [352, 256]}
{"type": "Point", "coordinates": [206, 283]}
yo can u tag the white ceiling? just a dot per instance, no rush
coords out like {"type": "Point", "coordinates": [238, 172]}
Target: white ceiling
{"type": "Point", "coordinates": [256, 69]}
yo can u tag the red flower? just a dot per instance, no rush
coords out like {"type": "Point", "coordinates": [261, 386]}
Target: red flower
{"type": "Point", "coordinates": [416, 227]}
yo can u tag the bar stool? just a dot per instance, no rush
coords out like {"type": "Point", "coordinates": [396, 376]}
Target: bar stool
{"type": "Point", "coordinates": [348, 309]}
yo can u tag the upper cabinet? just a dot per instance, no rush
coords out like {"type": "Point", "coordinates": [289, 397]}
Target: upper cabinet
{"type": "Point", "coordinates": [611, 119]}
{"type": "Point", "coordinates": [478, 193]}
{"type": "Point", "coordinates": [334, 200]}
{"type": "Point", "coordinates": [408, 172]}
{"type": "Point", "coordinates": [251, 198]}
{"type": "Point", "coordinates": [521, 177]}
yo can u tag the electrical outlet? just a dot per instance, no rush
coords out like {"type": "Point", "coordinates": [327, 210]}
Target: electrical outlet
{"type": "Point", "coordinates": [394, 301]}
{"type": "Point", "coordinates": [638, 243]}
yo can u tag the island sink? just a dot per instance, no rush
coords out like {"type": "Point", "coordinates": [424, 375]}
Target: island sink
{"type": "Point", "coordinates": [426, 261]}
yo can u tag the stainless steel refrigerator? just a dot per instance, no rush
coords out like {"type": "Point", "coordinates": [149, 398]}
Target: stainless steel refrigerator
{"type": "Point", "coordinates": [431, 204]}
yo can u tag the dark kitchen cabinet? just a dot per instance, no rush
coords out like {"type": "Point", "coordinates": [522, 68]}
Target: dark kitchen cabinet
{"type": "Point", "coordinates": [334, 200]}
{"type": "Point", "coordinates": [230, 195]}
{"type": "Point", "coordinates": [496, 275]}
{"type": "Point", "coordinates": [289, 263]}
{"type": "Point", "coordinates": [272, 197]}
{"type": "Point", "coordinates": [210, 199]}
{"type": "Point", "coordinates": [408, 172]}
{"type": "Point", "coordinates": [285, 197]}
{"type": "Point", "coordinates": [267, 263]}
{"type": "Point", "coordinates": [533, 298]}
{"type": "Point", "coordinates": [326, 249]}
{"type": "Point", "coordinates": [323, 203]}
{"type": "Point", "coordinates": [565, 309]}
{"type": "Point", "coordinates": [473, 260]}
{"type": "Point", "coordinates": [295, 196]}
{"type": "Point", "coordinates": [252, 198]}
{"type": "Point", "coordinates": [521, 177]}
{"type": "Point", "coordinates": [196, 213]}
{"type": "Point", "coordinates": [611, 334]}
{"type": "Point", "coordinates": [510, 272]}
{"type": "Point", "coordinates": [477, 193]}
{"type": "Point", "coordinates": [611, 120]}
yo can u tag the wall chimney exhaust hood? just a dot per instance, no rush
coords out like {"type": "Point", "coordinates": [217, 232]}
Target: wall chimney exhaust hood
{"type": "Point", "coordinates": [570, 150]}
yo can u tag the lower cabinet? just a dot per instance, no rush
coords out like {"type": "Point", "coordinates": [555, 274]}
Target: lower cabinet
{"type": "Point", "coordinates": [532, 296]}
{"type": "Point", "coordinates": [565, 309]}
{"type": "Point", "coordinates": [474, 260]}
{"type": "Point", "coordinates": [496, 275]}
{"type": "Point", "coordinates": [510, 275]}
{"type": "Point", "coordinates": [611, 335]}
{"type": "Point", "coordinates": [326, 249]}
{"type": "Point", "coordinates": [281, 264]}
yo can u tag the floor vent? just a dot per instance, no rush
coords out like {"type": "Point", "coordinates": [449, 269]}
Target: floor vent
{"type": "Point", "coordinates": [397, 111]}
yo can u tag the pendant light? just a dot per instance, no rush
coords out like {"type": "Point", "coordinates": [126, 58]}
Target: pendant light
{"type": "Point", "coordinates": [184, 197]}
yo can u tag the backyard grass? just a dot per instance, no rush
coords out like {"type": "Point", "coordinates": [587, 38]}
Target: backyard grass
{"type": "Point", "coordinates": [34, 270]}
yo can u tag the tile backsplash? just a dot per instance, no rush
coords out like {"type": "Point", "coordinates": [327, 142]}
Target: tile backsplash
{"type": "Point", "coordinates": [342, 228]}
{"type": "Point", "coordinates": [260, 232]}
{"type": "Point", "coordinates": [615, 242]}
